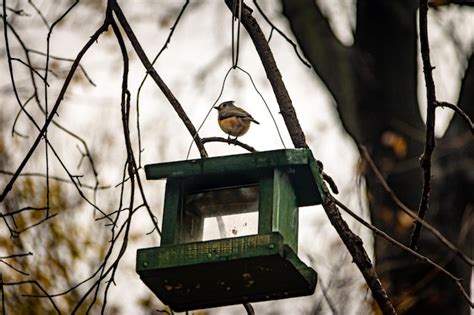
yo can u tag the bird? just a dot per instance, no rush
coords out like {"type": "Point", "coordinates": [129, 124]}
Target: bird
{"type": "Point", "coordinates": [233, 120]}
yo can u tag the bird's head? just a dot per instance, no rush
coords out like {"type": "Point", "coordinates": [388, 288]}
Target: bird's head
{"type": "Point", "coordinates": [224, 105]}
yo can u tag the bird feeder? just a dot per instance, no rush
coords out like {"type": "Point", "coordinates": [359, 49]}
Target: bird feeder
{"type": "Point", "coordinates": [230, 229]}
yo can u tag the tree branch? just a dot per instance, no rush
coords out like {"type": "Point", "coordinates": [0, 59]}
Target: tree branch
{"type": "Point", "coordinates": [401, 205]}
{"type": "Point", "coordinates": [274, 76]}
{"type": "Point", "coordinates": [35, 283]}
{"type": "Point", "coordinates": [161, 84]}
{"type": "Point", "coordinates": [351, 240]}
{"type": "Point", "coordinates": [295, 47]}
{"type": "Point", "coordinates": [229, 141]}
{"type": "Point", "coordinates": [458, 111]}
{"type": "Point", "coordinates": [407, 249]}
{"type": "Point", "coordinates": [59, 99]}
{"type": "Point", "coordinates": [355, 246]}
{"type": "Point", "coordinates": [425, 159]}
{"type": "Point", "coordinates": [168, 40]}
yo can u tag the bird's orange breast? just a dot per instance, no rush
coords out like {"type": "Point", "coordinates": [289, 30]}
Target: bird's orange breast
{"type": "Point", "coordinates": [234, 126]}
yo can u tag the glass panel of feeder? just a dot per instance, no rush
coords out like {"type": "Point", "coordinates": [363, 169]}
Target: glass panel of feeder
{"type": "Point", "coordinates": [220, 213]}
{"type": "Point", "coordinates": [230, 226]}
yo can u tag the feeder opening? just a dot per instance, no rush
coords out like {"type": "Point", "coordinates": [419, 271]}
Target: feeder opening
{"type": "Point", "coordinates": [220, 213]}
{"type": "Point", "coordinates": [230, 226]}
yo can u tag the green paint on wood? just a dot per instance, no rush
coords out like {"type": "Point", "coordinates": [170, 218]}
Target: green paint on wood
{"type": "Point", "coordinates": [224, 272]}
{"type": "Point", "coordinates": [285, 210]}
{"type": "Point", "coordinates": [187, 273]}
{"type": "Point", "coordinates": [209, 251]}
{"type": "Point", "coordinates": [172, 209]}
{"type": "Point", "coordinates": [266, 205]}
{"type": "Point", "coordinates": [299, 163]}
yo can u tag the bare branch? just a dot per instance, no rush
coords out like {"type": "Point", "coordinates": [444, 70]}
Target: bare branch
{"type": "Point", "coordinates": [32, 69]}
{"type": "Point", "coordinates": [59, 99]}
{"type": "Point", "coordinates": [45, 22]}
{"type": "Point", "coordinates": [425, 259]}
{"type": "Point", "coordinates": [14, 268]}
{"type": "Point", "coordinates": [459, 111]}
{"type": "Point", "coordinates": [274, 76]}
{"type": "Point", "coordinates": [229, 141]}
{"type": "Point", "coordinates": [410, 212]}
{"type": "Point", "coordinates": [20, 12]}
{"type": "Point", "coordinates": [355, 246]}
{"type": "Point", "coordinates": [351, 240]}
{"type": "Point", "coordinates": [12, 213]}
{"type": "Point", "coordinates": [168, 40]}
{"type": "Point", "coordinates": [64, 59]}
{"type": "Point", "coordinates": [3, 293]}
{"type": "Point", "coordinates": [155, 76]}
{"type": "Point", "coordinates": [36, 283]}
{"type": "Point", "coordinates": [425, 159]}
{"type": "Point", "coordinates": [50, 216]}
{"type": "Point", "coordinates": [17, 255]}
{"type": "Point", "coordinates": [249, 309]}
{"type": "Point", "coordinates": [59, 179]}
{"type": "Point", "coordinates": [295, 47]}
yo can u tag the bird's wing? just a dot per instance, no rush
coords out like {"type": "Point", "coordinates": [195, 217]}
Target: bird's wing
{"type": "Point", "coordinates": [236, 113]}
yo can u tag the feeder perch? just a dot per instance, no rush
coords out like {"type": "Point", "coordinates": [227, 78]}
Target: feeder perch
{"type": "Point", "coordinates": [230, 229]}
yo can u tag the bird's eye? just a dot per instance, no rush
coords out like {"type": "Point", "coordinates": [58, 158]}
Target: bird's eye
{"type": "Point", "coordinates": [224, 105]}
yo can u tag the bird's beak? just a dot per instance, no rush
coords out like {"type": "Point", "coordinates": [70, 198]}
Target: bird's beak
{"type": "Point", "coordinates": [216, 107]}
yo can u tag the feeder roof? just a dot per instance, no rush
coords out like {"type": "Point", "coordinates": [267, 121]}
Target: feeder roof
{"type": "Point", "coordinates": [299, 164]}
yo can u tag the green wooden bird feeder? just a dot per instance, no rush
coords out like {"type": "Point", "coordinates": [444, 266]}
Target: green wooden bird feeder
{"type": "Point", "coordinates": [230, 229]}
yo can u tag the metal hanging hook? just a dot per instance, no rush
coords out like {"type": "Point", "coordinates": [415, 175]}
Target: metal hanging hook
{"type": "Point", "coordinates": [236, 15]}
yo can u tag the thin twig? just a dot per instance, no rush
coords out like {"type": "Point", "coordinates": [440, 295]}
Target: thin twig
{"type": "Point", "coordinates": [249, 308]}
{"type": "Point", "coordinates": [229, 141]}
{"type": "Point", "coordinates": [459, 111]}
{"type": "Point", "coordinates": [274, 28]}
{"type": "Point", "coordinates": [58, 102]}
{"type": "Point", "coordinates": [155, 76]}
{"type": "Point", "coordinates": [274, 76]}
{"type": "Point", "coordinates": [355, 246]}
{"type": "Point", "coordinates": [15, 212]}
{"type": "Point", "coordinates": [36, 283]}
{"type": "Point", "coordinates": [352, 242]}
{"type": "Point", "coordinates": [14, 268]}
{"type": "Point", "coordinates": [31, 68]}
{"type": "Point", "coordinates": [168, 40]}
{"type": "Point", "coordinates": [19, 12]}
{"type": "Point", "coordinates": [264, 102]}
{"type": "Point", "coordinates": [125, 110]}
{"type": "Point", "coordinates": [17, 255]}
{"type": "Point", "coordinates": [35, 96]}
{"type": "Point", "coordinates": [210, 110]}
{"type": "Point", "coordinates": [327, 298]}
{"type": "Point", "coordinates": [410, 212]}
{"type": "Point", "coordinates": [425, 159]}
{"type": "Point", "coordinates": [50, 216]}
{"type": "Point", "coordinates": [3, 294]}
{"type": "Point", "coordinates": [423, 258]}
{"type": "Point", "coordinates": [45, 22]}
{"type": "Point", "coordinates": [64, 59]}
{"type": "Point", "coordinates": [50, 118]}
